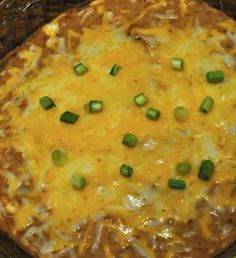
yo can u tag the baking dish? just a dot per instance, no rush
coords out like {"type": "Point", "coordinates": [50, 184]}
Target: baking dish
{"type": "Point", "coordinates": [24, 19]}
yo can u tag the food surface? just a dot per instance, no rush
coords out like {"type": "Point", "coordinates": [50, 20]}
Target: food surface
{"type": "Point", "coordinates": [118, 133]}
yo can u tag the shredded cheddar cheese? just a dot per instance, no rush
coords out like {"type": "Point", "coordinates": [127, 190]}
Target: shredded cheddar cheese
{"type": "Point", "coordinates": [123, 206]}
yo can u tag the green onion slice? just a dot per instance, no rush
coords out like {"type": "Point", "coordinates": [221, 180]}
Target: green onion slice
{"type": "Point", "coordinates": [177, 64]}
{"type": "Point", "coordinates": [183, 168]}
{"type": "Point", "coordinates": [115, 69]}
{"type": "Point", "coordinates": [69, 117]}
{"type": "Point", "coordinates": [153, 114]}
{"type": "Point", "coordinates": [215, 76]}
{"type": "Point", "coordinates": [80, 69]}
{"type": "Point", "coordinates": [129, 140]}
{"type": "Point", "coordinates": [59, 158]}
{"type": "Point", "coordinates": [176, 183]}
{"type": "Point", "coordinates": [140, 100]}
{"type": "Point", "coordinates": [94, 106]}
{"type": "Point", "coordinates": [181, 113]}
{"type": "Point", "coordinates": [126, 170]}
{"type": "Point", "coordinates": [78, 182]}
{"type": "Point", "coordinates": [206, 170]}
{"type": "Point", "coordinates": [46, 102]}
{"type": "Point", "coordinates": [207, 105]}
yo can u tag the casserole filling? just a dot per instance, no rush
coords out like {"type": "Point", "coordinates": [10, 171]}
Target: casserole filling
{"type": "Point", "coordinates": [118, 133]}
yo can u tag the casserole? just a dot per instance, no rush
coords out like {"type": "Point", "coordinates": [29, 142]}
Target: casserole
{"type": "Point", "coordinates": [145, 39]}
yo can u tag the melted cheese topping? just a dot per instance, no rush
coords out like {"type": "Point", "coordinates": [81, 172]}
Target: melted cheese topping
{"type": "Point", "coordinates": [94, 144]}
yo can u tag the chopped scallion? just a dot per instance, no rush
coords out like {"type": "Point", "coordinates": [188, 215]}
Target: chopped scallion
{"type": "Point", "coordinates": [177, 64]}
{"type": "Point", "coordinates": [207, 105]}
{"type": "Point", "coordinates": [206, 170]}
{"type": "Point", "coordinates": [153, 114]}
{"type": "Point", "coordinates": [46, 102]}
{"type": "Point", "coordinates": [129, 140]}
{"type": "Point", "coordinates": [69, 117]}
{"type": "Point", "coordinates": [59, 158]}
{"type": "Point", "coordinates": [140, 100]}
{"type": "Point", "coordinates": [94, 106]}
{"type": "Point", "coordinates": [78, 182]}
{"type": "Point", "coordinates": [80, 69]}
{"type": "Point", "coordinates": [176, 183]}
{"type": "Point", "coordinates": [181, 113]}
{"type": "Point", "coordinates": [126, 170]}
{"type": "Point", "coordinates": [215, 76]}
{"type": "Point", "coordinates": [183, 168]}
{"type": "Point", "coordinates": [115, 69]}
